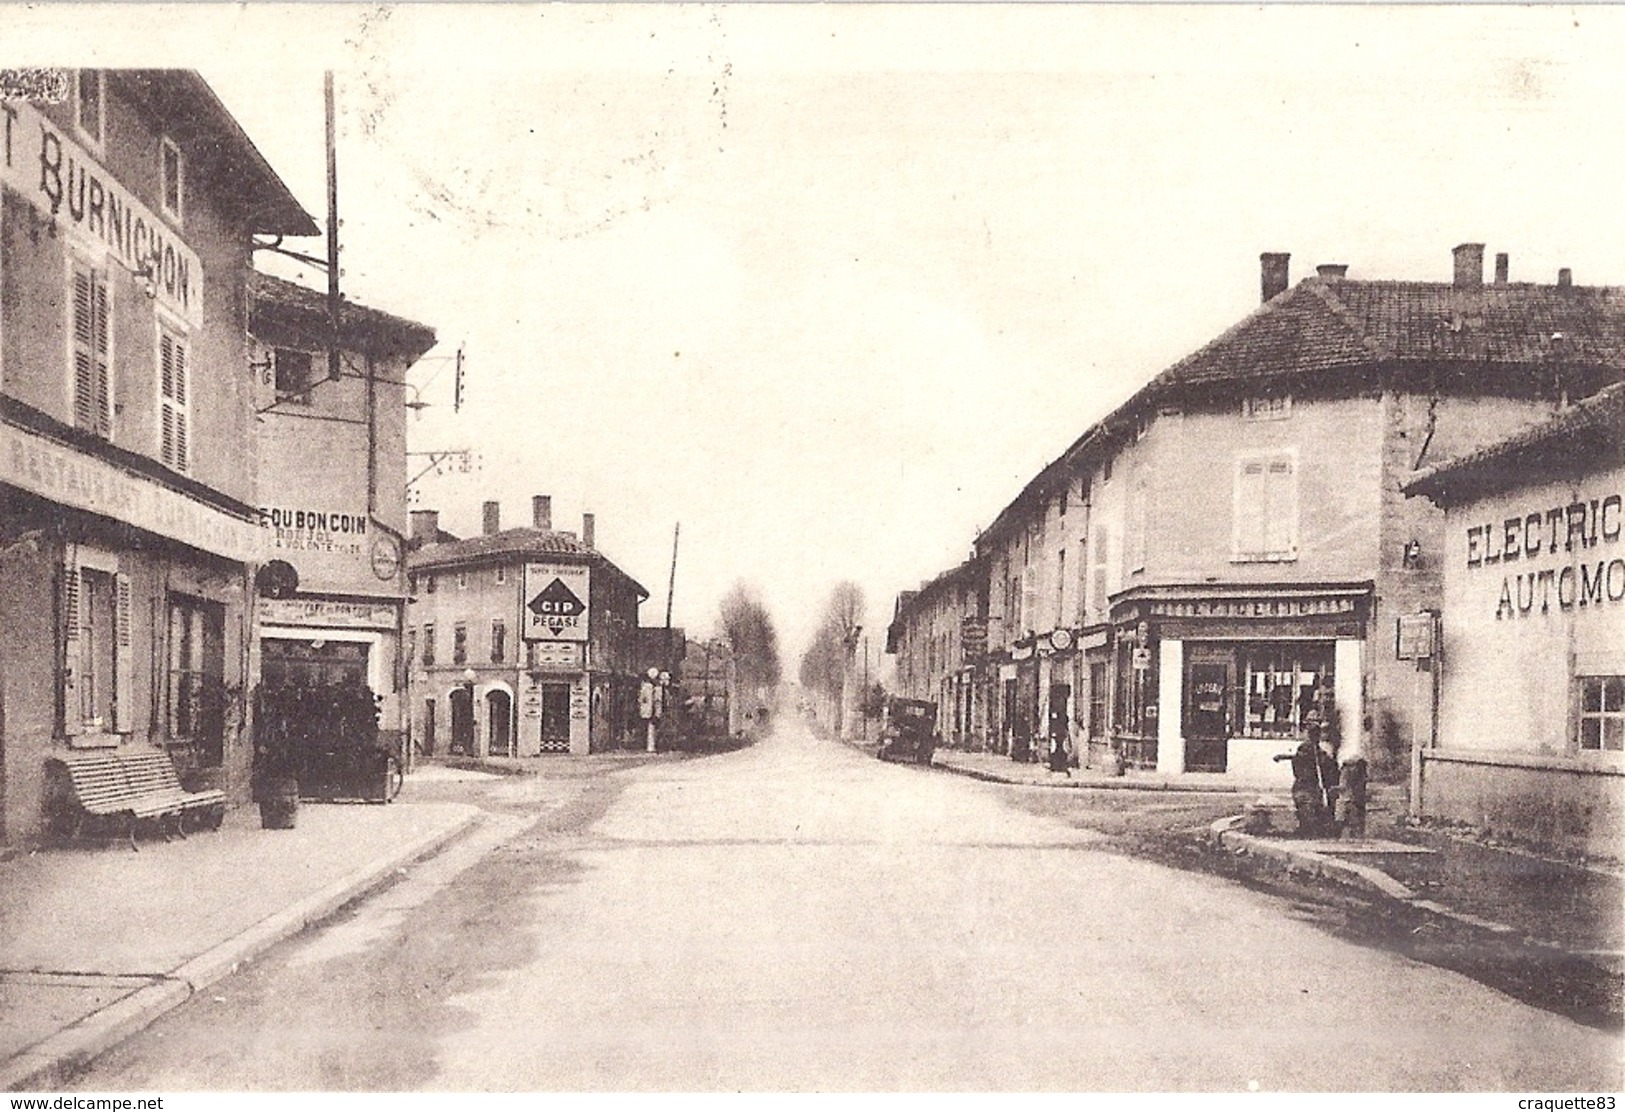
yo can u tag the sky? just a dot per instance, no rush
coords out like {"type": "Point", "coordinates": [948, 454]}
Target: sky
{"type": "Point", "coordinates": [827, 284]}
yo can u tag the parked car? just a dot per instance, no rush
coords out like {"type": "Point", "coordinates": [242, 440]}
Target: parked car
{"type": "Point", "coordinates": [907, 730]}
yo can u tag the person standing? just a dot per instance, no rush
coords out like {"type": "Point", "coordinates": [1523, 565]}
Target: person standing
{"type": "Point", "coordinates": [1314, 780]}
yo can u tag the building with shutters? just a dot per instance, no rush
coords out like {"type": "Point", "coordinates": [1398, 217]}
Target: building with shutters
{"type": "Point", "coordinates": [1230, 550]}
{"type": "Point", "coordinates": [341, 528]}
{"type": "Point", "coordinates": [521, 642]}
{"type": "Point", "coordinates": [128, 524]}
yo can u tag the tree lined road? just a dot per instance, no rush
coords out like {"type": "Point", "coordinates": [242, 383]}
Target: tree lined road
{"type": "Point", "coordinates": [800, 916]}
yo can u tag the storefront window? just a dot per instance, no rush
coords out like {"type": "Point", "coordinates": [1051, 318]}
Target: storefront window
{"type": "Point", "coordinates": [196, 668]}
{"type": "Point", "coordinates": [1283, 683]}
{"type": "Point", "coordinates": [1602, 713]}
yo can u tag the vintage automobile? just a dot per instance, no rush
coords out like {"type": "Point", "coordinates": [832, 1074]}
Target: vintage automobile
{"type": "Point", "coordinates": [907, 730]}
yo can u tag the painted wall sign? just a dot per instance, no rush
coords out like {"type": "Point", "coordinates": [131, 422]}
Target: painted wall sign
{"type": "Point", "coordinates": [1252, 607]}
{"type": "Point", "coordinates": [66, 184]}
{"type": "Point", "coordinates": [326, 612]}
{"type": "Point", "coordinates": [1576, 579]}
{"type": "Point", "coordinates": [557, 602]}
{"type": "Point", "coordinates": [556, 654]}
{"type": "Point", "coordinates": [40, 466]}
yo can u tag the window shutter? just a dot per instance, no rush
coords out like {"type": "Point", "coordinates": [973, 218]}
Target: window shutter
{"type": "Point", "coordinates": [104, 380]}
{"type": "Point", "coordinates": [1250, 510]}
{"type": "Point", "coordinates": [1279, 509]}
{"type": "Point", "coordinates": [123, 657]}
{"type": "Point", "coordinates": [70, 620]}
{"type": "Point", "coordinates": [84, 367]}
{"type": "Point", "coordinates": [174, 388]}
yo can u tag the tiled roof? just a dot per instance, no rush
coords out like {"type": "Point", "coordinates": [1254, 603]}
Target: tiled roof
{"type": "Point", "coordinates": [517, 544]}
{"type": "Point", "coordinates": [1323, 325]}
{"type": "Point", "coordinates": [1326, 323]}
{"type": "Point", "coordinates": [1590, 435]}
{"type": "Point", "coordinates": [372, 331]}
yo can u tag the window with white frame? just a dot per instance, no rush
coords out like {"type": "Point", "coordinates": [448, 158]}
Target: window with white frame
{"type": "Point", "coordinates": [170, 170]}
{"type": "Point", "coordinates": [174, 398]}
{"type": "Point", "coordinates": [91, 350]}
{"type": "Point", "coordinates": [196, 668]}
{"type": "Point", "coordinates": [1265, 525]}
{"type": "Point", "coordinates": [98, 656]}
{"type": "Point", "coordinates": [90, 105]}
{"type": "Point", "coordinates": [1602, 714]}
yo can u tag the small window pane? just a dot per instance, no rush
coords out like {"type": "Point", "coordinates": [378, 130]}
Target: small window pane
{"type": "Point", "coordinates": [1591, 699]}
{"type": "Point", "coordinates": [1613, 734]}
{"type": "Point", "coordinates": [1613, 694]}
{"type": "Point", "coordinates": [1590, 733]}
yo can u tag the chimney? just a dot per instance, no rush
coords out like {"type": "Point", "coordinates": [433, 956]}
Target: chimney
{"type": "Point", "coordinates": [1332, 270]}
{"type": "Point", "coordinates": [1274, 272]}
{"type": "Point", "coordinates": [587, 524]}
{"type": "Point", "coordinates": [1469, 266]}
{"type": "Point", "coordinates": [541, 511]}
{"type": "Point", "coordinates": [1501, 265]}
{"type": "Point", "coordinates": [491, 522]}
{"type": "Point", "coordinates": [1565, 278]}
{"type": "Point", "coordinates": [425, 525]}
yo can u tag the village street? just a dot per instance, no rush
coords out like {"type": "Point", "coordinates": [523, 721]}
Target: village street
{"type": "Point", "coordinates": [798, 916]}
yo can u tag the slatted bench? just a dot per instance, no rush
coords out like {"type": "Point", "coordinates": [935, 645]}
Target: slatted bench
{"type": "Point", "coordinates": [123, 788]}
{"type": "Point", "coordinates": [151, 774]}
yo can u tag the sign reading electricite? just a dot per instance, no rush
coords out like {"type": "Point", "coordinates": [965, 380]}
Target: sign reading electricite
{"type": "Point", "coordinates": [70, 187]}
{"type": "Point", "coordinates": [556, 606]}
{"type": "Point", "coordinates": [1580, 534]}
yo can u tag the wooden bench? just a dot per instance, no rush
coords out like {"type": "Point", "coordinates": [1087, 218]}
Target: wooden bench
{"type": "Point", "coordinates": [124, 788]}
{"type": "Point", "coordinates": [151, 775]}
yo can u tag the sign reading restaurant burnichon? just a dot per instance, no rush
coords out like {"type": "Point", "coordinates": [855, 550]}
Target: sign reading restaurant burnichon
{"type": "Point", "coordinates": [1583, 577]}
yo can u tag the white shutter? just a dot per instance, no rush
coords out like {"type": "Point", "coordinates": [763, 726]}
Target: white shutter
{"type": "Point", "coordinates": [174, 388]}
{"type": "Point", "coordinates": [84, 366]}
{"type": "Point", "coordinates": [70, 620]}
{"type": "Point", "coordinates": [1250, 511]}
{"type": "Point", "coordinates": [104, 376]}
{"type": "Point", "coordinates": [1280, 508]}
{"type": "Point", "coordinates": [123, 657]}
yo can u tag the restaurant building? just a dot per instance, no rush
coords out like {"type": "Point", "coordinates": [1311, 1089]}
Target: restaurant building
{"type": "Point", "coordinates": [129, 532]}
{"type": "Point", "coordinates": [521, 642]}
{"type": "Point", "coordinates": [1530, 655]}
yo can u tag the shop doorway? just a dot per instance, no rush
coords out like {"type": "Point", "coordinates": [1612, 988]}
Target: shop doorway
{"type": "Point", "coordinates": [499, 723]}
{"type": "Point", "coordinates": [1209, 682]}
{"type": "Point", "coordinates": [555, 718]}
{"type": "Point", "coordinates": [427, 747]}
{"type": "Point", "coordinates": [1060, 713]}
{"type": "Point", "coordinates": [1007, 718]}
{"type": "Point", "coordinates": [462, 721]}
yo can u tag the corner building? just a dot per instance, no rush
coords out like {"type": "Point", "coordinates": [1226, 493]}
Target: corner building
{"type": "Point", "coordinates": [128, 534]}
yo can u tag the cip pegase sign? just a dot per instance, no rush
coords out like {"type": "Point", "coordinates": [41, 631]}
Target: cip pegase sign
{"type": "Point", "coordinates": [66, 184]}
{"type": "Point", "coordinates": [557, 602]}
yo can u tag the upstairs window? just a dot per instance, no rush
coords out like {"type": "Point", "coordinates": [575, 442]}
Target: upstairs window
{"type": "Point", "coordinates": [499, 641]}
{"type": "Point", "coordinates": [174, 392]}
{"type": "Point", "coordinates": [428, 645]}
{"type": "Point", "coordinates": [1266, 508]}
{"type": "Point", "coordinates": [293, 375]}
{"type": "Point", "coordinates": [170, 167]}
{"type": "Point", "coordinates": [89, 105]}
{"type": "Point", "coordinates": [91, 355]}
{"type": "Point", "coordinates": [459, 643]}
{"type": "Point", "coordinates": [1273, 407]}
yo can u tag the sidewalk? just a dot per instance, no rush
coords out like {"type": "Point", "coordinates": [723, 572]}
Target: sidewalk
{"type": "Point", "coordinates": [97, 941]}
{"type": "Point", "coordinates": [1571, 908]}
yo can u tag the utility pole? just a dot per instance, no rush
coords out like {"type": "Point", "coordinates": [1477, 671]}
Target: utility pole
{"type": "Point", "coordinates": [332, 231]}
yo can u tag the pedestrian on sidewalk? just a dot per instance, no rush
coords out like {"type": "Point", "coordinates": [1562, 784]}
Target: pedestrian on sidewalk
{"type": "Point", "coordinates": [1314, 780]}
{"type": "Point", "coordinates": [1059, 759]}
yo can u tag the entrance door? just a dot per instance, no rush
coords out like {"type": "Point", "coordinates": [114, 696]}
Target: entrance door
{"type": "Point", "coordinates": [555, 718]}
{"type": "Point", "coordinates": [462, 721]}
{"type": "Point", "coordinates": [1007, 723]}
{"type": "Point", "coordinates": [1060, 714]}
{"type": "Point", "coordinates": [498, 716]}
{"type": "Point", "coordinates": [428, 728]}
{"type": "Point", "coordinates": [1207, 719]}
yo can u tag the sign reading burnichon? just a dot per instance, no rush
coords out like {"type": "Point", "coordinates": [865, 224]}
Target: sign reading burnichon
{"type": "Point", "coordinates": [67, 185]}
{"type": "Point", "coordinates": [556, 602]}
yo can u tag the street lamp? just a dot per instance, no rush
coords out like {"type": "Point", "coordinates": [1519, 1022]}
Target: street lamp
{"type": "Point", "coordinates": [469, 678]}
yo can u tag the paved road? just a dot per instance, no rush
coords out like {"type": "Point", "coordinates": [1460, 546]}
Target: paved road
{"type": "Point", "coordinates": [798, 916]}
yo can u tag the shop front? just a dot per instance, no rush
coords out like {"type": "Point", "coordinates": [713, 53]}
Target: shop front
{"type": "Point", "coordinates": [1222, 682]}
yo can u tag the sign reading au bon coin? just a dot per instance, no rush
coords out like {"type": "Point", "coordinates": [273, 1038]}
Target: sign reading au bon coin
{"type": "Point", "coordinates": [556, 602]}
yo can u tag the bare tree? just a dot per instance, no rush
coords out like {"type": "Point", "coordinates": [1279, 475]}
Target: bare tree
{"type": "Point", "coordinates": [826, 665]}
{"type": "Point", "coordinates": [751, 637]}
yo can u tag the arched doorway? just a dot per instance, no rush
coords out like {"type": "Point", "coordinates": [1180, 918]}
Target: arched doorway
{"type": "Point", "coordinates": [499, 723]}
{"type": "Point", "coordinates": [462, 721]}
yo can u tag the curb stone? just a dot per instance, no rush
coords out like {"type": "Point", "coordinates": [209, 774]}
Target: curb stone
{"type": "Point", "coordinates": [57, 1055]}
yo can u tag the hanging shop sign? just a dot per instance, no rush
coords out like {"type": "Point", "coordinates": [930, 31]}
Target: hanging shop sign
{"type": "Point", "coordinates": [559, 655]}
{"type": "Point", "coordinates": [71, 188]}
{"type": "Point", "coordinates": [331, 613]}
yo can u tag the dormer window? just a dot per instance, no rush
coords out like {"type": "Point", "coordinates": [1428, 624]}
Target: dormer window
{"type": "Point", "coordinates": [1267, 407]}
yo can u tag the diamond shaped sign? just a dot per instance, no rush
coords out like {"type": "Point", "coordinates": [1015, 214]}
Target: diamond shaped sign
{"type": "Point", "coordinates": [557, 602]}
